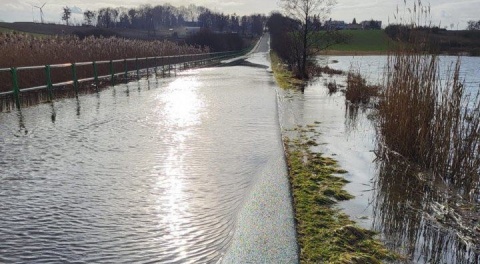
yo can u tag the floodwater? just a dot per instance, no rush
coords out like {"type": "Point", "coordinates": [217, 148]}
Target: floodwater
{"type": "Point", "coordinates": [401, 209]}
{"type": "Point", "coordinates": [179, 170]}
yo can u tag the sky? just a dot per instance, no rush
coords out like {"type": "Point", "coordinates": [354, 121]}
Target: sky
{"type": "Point", "coordinates": [452, 14]}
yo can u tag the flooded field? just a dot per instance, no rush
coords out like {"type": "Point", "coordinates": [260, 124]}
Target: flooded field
{"type": "Point", "coordinates": [409, 214]}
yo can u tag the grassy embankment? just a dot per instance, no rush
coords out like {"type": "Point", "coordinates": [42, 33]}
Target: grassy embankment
{"type": "Point", "coordinates": [39, 29]}
{"type": "Point", "coordinates": [361, 42]}
{"type": "Point", "coordinates": [325, 234]}
{"type": "Point", "coordinates": [285, 78]}
{"type": "Point", "coordinates": [9, 30]}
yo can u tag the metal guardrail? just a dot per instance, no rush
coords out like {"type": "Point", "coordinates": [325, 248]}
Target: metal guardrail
{"type": "Point", "coordinates": [165, 62]}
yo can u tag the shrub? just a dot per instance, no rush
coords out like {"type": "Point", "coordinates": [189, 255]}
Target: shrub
{"type": "Point", "coordinates": [358, 91]}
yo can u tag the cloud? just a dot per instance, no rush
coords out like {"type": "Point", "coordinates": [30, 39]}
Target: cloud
{"type": "Point", "coordinates": [232, 4]}
{"type": "Point", "coordinates": [76, 10]}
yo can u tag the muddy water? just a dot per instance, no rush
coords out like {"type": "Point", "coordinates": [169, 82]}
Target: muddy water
{"type": "Point", "coordinates": [407, 213]}
{"type": "Point", "coordinates": [179, 170]}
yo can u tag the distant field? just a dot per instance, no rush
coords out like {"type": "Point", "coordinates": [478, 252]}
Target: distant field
{"type": "Point", "coordinates": [5, 30]}
{"type": "Point", "coordinates": [38, 29]}
{"type": "Point", "coordinates": [364, 40]}
{"type": "Point", "coordinates": [9, 30]}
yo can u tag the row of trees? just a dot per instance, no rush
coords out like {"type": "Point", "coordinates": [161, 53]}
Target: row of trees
{"type": "Point", "coordinates": [473, 25]}
{"type": "Point", "coordinates": [298, 35]}
{"type": "Point", "coordinates": [166, 16]}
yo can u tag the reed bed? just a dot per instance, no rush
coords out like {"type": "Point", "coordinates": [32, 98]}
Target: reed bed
{"type": "Point", "coordinates": [425, 114]}
{"type": "Point", "coordinates": [18, 50]}
{"type": "Point", "coordinates": [316, 70]}
{"type": "Point", "coordinates": [358, 91]}
{"type": "Point", "coordinates": [332, 87]}
{"type": "Point", "coordinates": [428, 118]}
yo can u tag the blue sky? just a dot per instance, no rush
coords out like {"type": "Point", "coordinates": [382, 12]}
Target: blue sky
{"type": "Point", "coordinates": [446, 13]}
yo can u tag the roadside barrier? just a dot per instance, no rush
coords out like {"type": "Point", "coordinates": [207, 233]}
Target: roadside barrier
{"type": "Point", "coordinates": [151, 65]}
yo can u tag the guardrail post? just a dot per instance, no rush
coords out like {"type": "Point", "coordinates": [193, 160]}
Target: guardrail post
{"type": "Point", "coordinates": [138, 70]}
{"type": "Point", "coordinates": [126, 70]}
{"type": "Point", "coordinates": [169, 68]}
{"type": "Point", "coordinates": [163, 67]}
{"type": "Point", "coordinates": [112, 74]}
{"type": "Point", "coordinates": [95, 74]}
{"type": "Point", "coordinates": [146, 62]}
{"type": "Point", "coordinates": [175, 64]}
{"type": "Point", "coordinates": [16, 88]}
{"type": "Point", "coordinates": [75, 79]}
{"type": "Point", "coordinates": [156, 65]}
{"type": "Point", "coordinates": [48, 74]}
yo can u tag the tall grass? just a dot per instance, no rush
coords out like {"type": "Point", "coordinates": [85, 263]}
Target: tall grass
{"type": "Point", "coordinates": [427, 117]}
{"type": "Point", "coordinates": [18, 50]}
{"type": "Point", "coordinates": [358, 91]}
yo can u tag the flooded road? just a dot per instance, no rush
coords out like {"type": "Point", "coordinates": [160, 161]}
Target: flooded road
{"type": "Point", "coordinates": [178, 170]}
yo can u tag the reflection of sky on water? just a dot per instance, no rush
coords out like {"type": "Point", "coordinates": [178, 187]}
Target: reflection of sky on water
{"type": "Point", "coordinates": [372, 67]}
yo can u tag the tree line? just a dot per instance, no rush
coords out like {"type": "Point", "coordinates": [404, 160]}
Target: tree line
{"type": "Point", "coordinates": [473, 25]}
{"type": "Point", "coordinates": [152, 18]}
{"type": "Point", "coordinates": [298, 34]}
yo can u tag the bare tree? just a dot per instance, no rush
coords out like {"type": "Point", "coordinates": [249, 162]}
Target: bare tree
{"type": "Point", "coordinates": [305, 35]}
{"type": "Point", "coordinates": [473, 25]}
{"type": "Point", "coordinates": [88, 16]}
{"type": "Point", "coordinates": [67, 13]}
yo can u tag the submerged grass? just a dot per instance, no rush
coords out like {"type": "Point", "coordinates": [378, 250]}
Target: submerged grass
{"type": "Point", "coordinates": [358, 91]}
{"type": "Point", "coordinates": [325, 234]}
{"type": "Point", "coordinates": [285, 78]}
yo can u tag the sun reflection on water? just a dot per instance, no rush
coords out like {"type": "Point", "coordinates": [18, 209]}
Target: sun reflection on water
{"type": "Point", "coordinates": [182, 103]}
{"type": "Point", "coordinates": [179, 111]}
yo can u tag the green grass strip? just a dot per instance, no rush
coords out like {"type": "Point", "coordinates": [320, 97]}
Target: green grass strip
{"type": "Point", "coordinates": [285, 78]}
{"type": "Point", "coordinates": [325, 234]}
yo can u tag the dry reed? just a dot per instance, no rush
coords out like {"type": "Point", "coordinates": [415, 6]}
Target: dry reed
{"type": "Point", "coordinates": [358, 91]}
{"type": "Point", "coordinates": [316, 70]}
{"type": "Point", "coordinates": [429, 119]}
{"type": "Point", "coordinates": [332, 87]}
{"type": "Point", "coordinates": [18, 50]}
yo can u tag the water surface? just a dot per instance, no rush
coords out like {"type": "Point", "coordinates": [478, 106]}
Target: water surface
{"type": "Point", "coordinates": [386, 199]}
{"type": "Point", "coordinates": [155, 171]}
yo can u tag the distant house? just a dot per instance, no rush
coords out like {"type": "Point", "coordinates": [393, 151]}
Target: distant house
{"type": "Point", "coordinates": [184, 32]}
{"type": "Point", "coordinates": [340, 25]}
{"type": "Point", "coordinates": [335, 24]}
{"type": "Point", "coordinates": [192, 24]}
{"type": "Point", "coordinates": [354, 26]}
{"type": "Point", "coordinates": [192, 30]}
{"type": "Point", "coordinates": [371, 24]}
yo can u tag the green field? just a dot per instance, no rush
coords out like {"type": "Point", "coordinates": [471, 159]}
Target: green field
{"type": "Point", "coordinates": [5, 30]}
{"type": "Point", "coordinates": [9, 30]}
{"type": "Point", "coordinates": [364, 40]}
